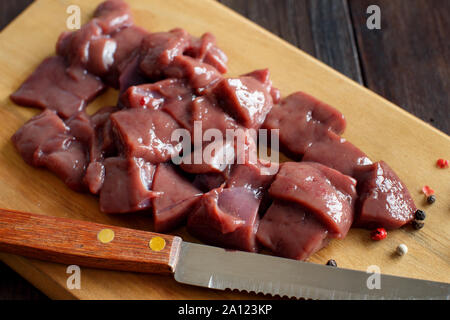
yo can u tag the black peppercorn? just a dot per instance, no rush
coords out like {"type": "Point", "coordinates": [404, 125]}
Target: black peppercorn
{"type": "Point", "coordinates": [431, 199]}
{"type": "Point", "coordinates": [331, 263]}
{"type": "Point", "coordinates": [417, 225]}
{"type": "Point", "coordinates": [420, 215]}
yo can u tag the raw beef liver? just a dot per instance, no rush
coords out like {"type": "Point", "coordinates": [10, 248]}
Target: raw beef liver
{"type": "Point", "coordinates": [301, 119]}
{"type": "Point", "coordinates": [263, 76]}
{"type": "Point", "coordinates": [113, 15]}
{"type": "Point", "coordinates": [199, 75]}
{"type": "Point", "coordinates": [335, 152]}
{"type": "Point", "coordinates": [178, 198]}
{"type": "Point", "coordinates": [244, 98]}
{"type": "Point", "coordinates": [291, 232]}
{"type": "Point", "coordinates": [30, 138]}
{"type": "Point", "coordinates": [146, 134]}
{"type": "Point", "coordinates": [228, 218]}
{"type": "Point", "coordinates": [44, 141]}
{"type": "Point", "coordinates": [384, 200]}
{"type": "Point", "coordinates": [51, 87]}
{"type": "Point", "coordinates": [159, 49]}
{"type": "Point", "coordinates": [127, 186]}
{"type": "Point", "coordinates": [205, 50]}
{"type": "Point", "coordinates": [323, 191]}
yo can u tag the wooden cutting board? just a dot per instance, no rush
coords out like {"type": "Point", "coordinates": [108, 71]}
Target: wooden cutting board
{"type": "Point", "coordinates": [378, 127]}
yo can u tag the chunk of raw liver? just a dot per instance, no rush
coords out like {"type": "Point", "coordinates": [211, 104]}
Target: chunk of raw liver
{"type": "Point", "coordinates": [325, 192]}
{"type": "Point", "coordinates": [301, 119]}
{"type": "Point", "coordinates": [68, 161]}
{"type": "Point", "coordinates": [51, 87]}
{"type": "Point", "coordinates": [208, 181]}
{"type": "Point", "coordinates": [146, 134]}
{"type": "Point", "coordinates": [256, 177]}
{"type": "Point", "coordinates": [205, 50]}
{"type": "Point", "coordinates": [213, 157]}
{"type": "Point", "coordinates": [206, 111]}
{"type": "Point", "coordinates": [227, 218]}
{"type": "Point", "coordinates": [159, 49]}
{"type": "Point", "coordinates": [96, 135]}
{"type": "Point", "coordinates": [75, 46]}
{"type": "Point", "coordinates": [172, 95]}
{"type": "Point", "coordinates": [178, 198]}
{"type": "Point", "coordinates": [245, 99]}
{"type": "Point", "coordinates": [336, 152]}
{"type": "Point", "coordinates": [104, 145]}
{"type": "Point", "coordinates": [290, 231]}
{"type": "Point", "coordinates": [113, 15]}
{"type": "Point", "coordinates": [127, 185]}
{"type": "Point", "coordinates": [252, 176]}
{"type": "Point", "coordinates": [263, 76]}
{"type": "Point", "coordinates": [29, 139]}
{"type": "Point", "coordinates": [131, 75]}
{"type": "Point", "coordinates": [384, 200]}
{"type": "Point", "coordinates": [199, 75]}
{"type": "Point", "coordinates": [128, 41]}
{"type": "Point", "coordinates": [95, 176]}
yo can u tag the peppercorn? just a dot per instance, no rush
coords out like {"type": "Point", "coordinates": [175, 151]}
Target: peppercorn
{"type": "Point", "coordinates": [331, 263]}
{"type": "Point", "coordinates": [417, 225]}
{"type": "Point", "coordinates": [378, 234]}
{"type": "Point", "coordinates": [442, 163]}
{"type": "Point", "coordinates": [431, 199]}
{"type": "Point", "coordinates": [402, 249]}
{"type": "Point", "coordinates": [420, 215]}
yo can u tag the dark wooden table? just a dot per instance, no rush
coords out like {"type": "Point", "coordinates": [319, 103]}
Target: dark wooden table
{"type": "Point", "coordinates": [407, 61]}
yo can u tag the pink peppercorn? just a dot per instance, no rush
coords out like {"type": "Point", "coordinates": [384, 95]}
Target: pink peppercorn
{"type": "Point", "coordinates": [378, 234]}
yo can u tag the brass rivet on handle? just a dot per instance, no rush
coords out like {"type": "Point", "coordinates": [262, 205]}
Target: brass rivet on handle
{"type": "Point", "coordinates": [157, 243]}
{"type": "Point", "coordinates": [105, 235]}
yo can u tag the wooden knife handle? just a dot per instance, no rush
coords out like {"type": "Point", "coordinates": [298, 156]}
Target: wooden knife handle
{"type": "Point", "coordinates": [87, 244]}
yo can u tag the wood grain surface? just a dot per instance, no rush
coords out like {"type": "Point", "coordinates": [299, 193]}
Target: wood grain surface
{"type": "Point", "coordinates": [407, 144]}
{"type": "Point", "coordinates": [87, 244]}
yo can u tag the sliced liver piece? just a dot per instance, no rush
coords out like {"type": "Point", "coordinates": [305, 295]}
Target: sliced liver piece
{"type": "Point", "coordinates": [214, 157]}
{"type": "Point", "coordinates": [384, 200]}
{"type": "Point", "coordinates": [130, 75]}
{"type": "Point", "coordinates": [128, 41]}
{"type": "Point", "coordinates": [146, 134]}
{"type": "Point", "coordinates": [208, 181]}
{"type": "Point", "coordinates": [323, 191]}
{"type": "Point", "coordinates": [51, 87]}
{"type": "Point", "coordinates": [104, 145]}
{"type": "Point", "coordinates": [75, 46]}
{"type": "Point", "coordinates": [95, 176]}
{"type": "Point", "coordinates": [159, 49]}
{"type": "Point", "coordinates": [29, 139]}
{"type": "Point", "coordinates": [245, 99]}
{"type": "Point", "coordinates": [205, 50]}
{"type": "Point", "coordinates": [206, 111]}
{"type": "Point", "coordinates": [256, 177]}
{"type": "Point", "coordinates": [199, 75]}
{"type": "Point", "coordinates": [171, 94]}
{"type": "Point", "coordinates": [68, 161]}
{"type": "Point", "coordinates": [291, 232]}
{"type": "Point", "coordinates": [113, 15]}
{"type": "Point", "coordinates": [127, 185]}
{"type": "Point", "coordinates": [251, 176]}
{"type": "Point", "coordinates": [263, 76]}
{"type": "Point", "coordinates": [336, 152]}
{"type": "Point", "coordinates": [227, 218]}
{"type": "Point", "coordinates": [301, 119]}
{"type": "Point", "coordinates": [178, 198]}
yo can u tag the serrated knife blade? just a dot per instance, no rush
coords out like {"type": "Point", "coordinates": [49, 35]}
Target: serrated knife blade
{"type": "Point", "coordinates": [222, 269]}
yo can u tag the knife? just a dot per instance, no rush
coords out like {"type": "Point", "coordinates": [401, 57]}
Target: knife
{"type": "Point", "coordinates": [95, 245]}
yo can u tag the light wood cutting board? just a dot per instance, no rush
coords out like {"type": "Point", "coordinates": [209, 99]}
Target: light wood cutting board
{"type": "Point", "coordinates": [378, 127]}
